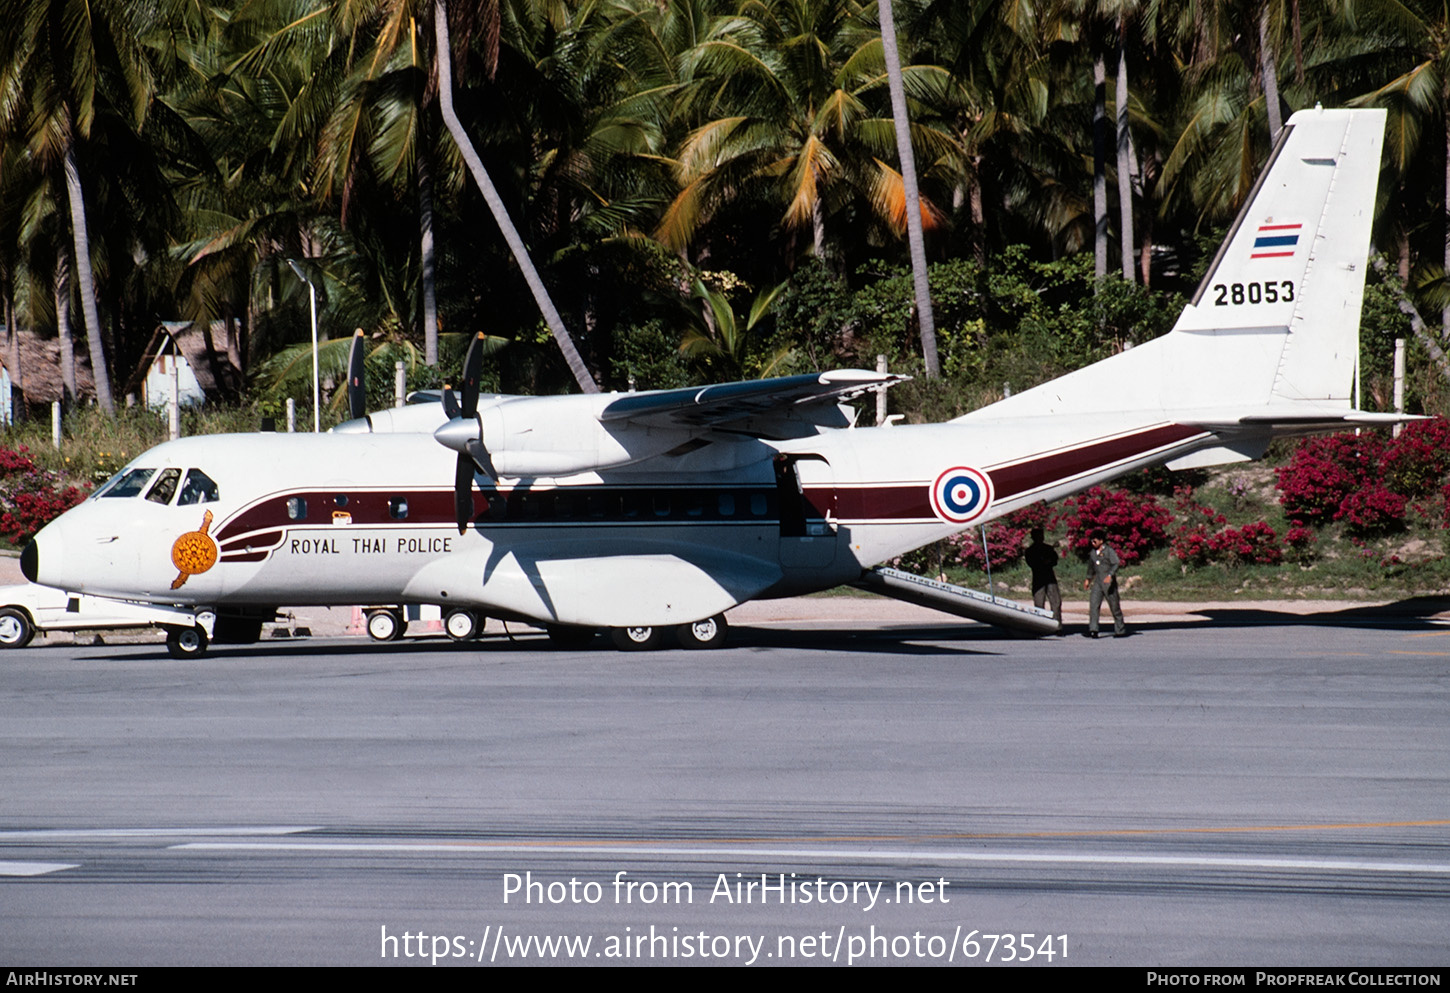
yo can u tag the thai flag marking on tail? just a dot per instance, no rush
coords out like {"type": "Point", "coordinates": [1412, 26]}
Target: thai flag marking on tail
{"type": "Point", "coordinates": [1276, 241]}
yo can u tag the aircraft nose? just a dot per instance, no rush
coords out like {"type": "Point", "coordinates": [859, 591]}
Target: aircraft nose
{"type": "Point", "coordinates": [39, 570]}
{"type": "Point", "coordinates": [30, 561]}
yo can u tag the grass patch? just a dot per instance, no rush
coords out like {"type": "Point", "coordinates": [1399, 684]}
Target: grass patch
{"type": "Point", "coordinates": [94, 446]}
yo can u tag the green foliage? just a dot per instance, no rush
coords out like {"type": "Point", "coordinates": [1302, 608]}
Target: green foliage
{"type": "Point", "coordinates": [1010, 325]}
{"type": "Point", "coordinates": [649, 353]}
{"type": "Point", "coordinates": [724, 347]}
{"type": "Point", "coordinates": [288, 373]}
{"type": "Point", "coordinates": [1380, 323]}
{"type": "Point", "coordinates": [94, 447]}
{"type": "Point", "coordinates": [815, 313]}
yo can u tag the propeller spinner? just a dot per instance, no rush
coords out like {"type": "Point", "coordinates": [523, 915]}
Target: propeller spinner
{"type": "Point", "coordinates": [464, 434]}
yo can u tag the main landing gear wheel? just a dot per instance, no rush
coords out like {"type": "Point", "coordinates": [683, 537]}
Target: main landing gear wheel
{"type": "Point", "coordinates": [709, 633]}
{"type": "Point", "coordinates": [462, 625]}
{"type": "Point", "coordinates": [186, 643]}
{"type": "Point", "coordinates": [15, 628]}
{"type": "Point", "coordinates": [385, 625]}
{"type": "Point", "coordinates": [636, 639]}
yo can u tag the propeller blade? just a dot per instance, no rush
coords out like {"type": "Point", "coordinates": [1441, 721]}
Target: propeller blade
{"type": "Point", "coordinates": [461, 433]}
{"type": "Point", "coordinates": [463, 491]}
{"type": "Point", "coordinates": [472, 375]}
{"type": "Point", "coordinates": [481, 458]}
{"type": "Point", "coordinates": [357, 393]}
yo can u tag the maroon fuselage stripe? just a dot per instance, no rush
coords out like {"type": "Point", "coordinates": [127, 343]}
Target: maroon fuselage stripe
{"type": "Point", "coordinates": [909, 501]}
{"type": "Point", "coordinates": [1011, 480]}
{"type": "Point", "coordinates": [241, 541]}
{"type": "Point", "coordinates": [912, 501]}
{"type": "Point", "coordinates": [367, 508]}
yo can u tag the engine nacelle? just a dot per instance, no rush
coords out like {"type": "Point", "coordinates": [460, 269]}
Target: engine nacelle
{"type": "Point", "coordinates": [552, 436]}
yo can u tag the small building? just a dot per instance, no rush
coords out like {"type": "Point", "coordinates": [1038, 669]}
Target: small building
{"type": "Point", "coordinates": [166, 368]}
{"type": "Point", "coordinates": [30, 374]}
{"type": "Point", "coordinates": [180, 348]}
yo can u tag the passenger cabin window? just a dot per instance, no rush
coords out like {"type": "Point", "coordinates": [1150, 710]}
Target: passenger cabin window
{"type": "Point", "coordinates": [129, 485]}
{"type": "Point", "coordinates": [297, 508]}
{"type": "Point", "coordinates": [398, 508]}
{"type": "Point", "coordinates": [165, 486]}
{"type": "Point", "coordinates": [198, 488]}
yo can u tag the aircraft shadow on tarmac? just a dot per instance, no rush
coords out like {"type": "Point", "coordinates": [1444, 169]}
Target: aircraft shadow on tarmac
{"type": "Point", "coordinates": [1412, 614]}
{"type": "Point", "coordinates": [933, 639]}
{"type": "Point", "coordinates": [949, 639]}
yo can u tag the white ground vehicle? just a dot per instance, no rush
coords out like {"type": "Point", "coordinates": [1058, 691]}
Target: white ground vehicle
{"type": "Point", "coordinates": [30, 608]}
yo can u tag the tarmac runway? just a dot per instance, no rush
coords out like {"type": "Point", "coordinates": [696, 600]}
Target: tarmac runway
{"type": "Point", "coordinates": [1248, 788]}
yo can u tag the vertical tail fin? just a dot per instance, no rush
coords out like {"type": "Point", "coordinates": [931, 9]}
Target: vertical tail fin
{"type": "Point", "coordinates": [1293, 265]}
{"type": "Point", "coordinates": [1274, 326]}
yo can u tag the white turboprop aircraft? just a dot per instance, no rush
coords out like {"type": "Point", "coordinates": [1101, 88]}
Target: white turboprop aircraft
{"type": "Point", "coordinates": [653, 513]}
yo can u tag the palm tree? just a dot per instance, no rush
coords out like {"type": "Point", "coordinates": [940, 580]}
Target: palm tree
{"type": "Point", "coordinates": [723, 342]}
{"type": "Point", "coordinates": [995, 96]}
{"type": "Point", "coordinates": [1124, 143]}
{"type": "Point", "coordinates": [381, 114]}
{"type": "Point", "coordinates": [444, 59]}
{"type": "Point", "coordinates": [11, 157]}
{"type": "Point", "coordinates": [1100, 21]}
{"type": "Point", "coordinates": [68, 63]}
{"type": "Point", "coordinates": [779, 100]}
{"type": "Point", "coordinates": [912, 198]}
{"type": "Point", "coordinates": [251, 205]}
{"type": "Point", "coordinates": [1411, 39]}
{"type": "Point", "coordinates": [764, 99]}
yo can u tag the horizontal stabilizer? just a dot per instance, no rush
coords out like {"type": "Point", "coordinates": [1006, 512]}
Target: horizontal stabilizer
{"type": "Point", "coordinates": [1350, 418]}
{"type": "Point", "coordinates": [995, 610]}
{"type": "Point", "coordinates": [1290, 420]}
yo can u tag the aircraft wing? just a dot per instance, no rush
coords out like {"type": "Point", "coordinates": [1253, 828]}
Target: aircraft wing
{"type": "Point", "coordinates": [756, 406]}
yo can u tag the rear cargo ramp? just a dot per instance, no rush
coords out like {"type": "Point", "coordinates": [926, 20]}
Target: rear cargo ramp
{"type": "Point", "coordinates": [995, 610]}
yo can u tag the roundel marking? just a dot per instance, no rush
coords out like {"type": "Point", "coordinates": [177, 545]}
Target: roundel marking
{"type": "Point", "coordinates": [961, 494]}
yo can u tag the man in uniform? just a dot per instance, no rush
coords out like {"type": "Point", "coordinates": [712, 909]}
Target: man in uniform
{"type": "Point", "coordinates": [1042, 558]}
{"type": "Point", "coordinates": [1101, 583]}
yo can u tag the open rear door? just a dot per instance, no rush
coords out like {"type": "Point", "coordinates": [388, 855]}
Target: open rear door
{"type": "Point", "coordinates": [806, 495]}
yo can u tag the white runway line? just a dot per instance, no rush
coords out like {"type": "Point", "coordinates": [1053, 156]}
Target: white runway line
{"type": "Point", "coordinates": [126, 834]}
{"type": "Point", "coordinates": [925, 856]}
{"type": "Point", "coordinates": [33, 868]}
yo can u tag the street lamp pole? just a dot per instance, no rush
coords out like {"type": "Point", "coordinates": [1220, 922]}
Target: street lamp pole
{"type": "Point", "coordinates": [316, 381]}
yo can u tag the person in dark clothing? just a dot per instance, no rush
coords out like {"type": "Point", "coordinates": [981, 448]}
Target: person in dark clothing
{"type": "Point", "coordinates": [1102, 584]}
{"type": "Point", "coordinates": [1042, 558]}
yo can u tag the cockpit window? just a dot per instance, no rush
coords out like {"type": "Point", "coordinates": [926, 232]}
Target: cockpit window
{"type": "Point", "coordinates": [129, 485]}
{"type": "Point", "coordinates": [165, 486]}
{"type": "Point", "coordinates": [198, 488]}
